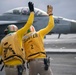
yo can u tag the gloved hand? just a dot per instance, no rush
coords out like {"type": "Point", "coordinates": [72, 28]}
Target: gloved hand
{"type": "Point", "coordinates": [49, 10]}
{"type": "Point", "coordinates": [31, 6]}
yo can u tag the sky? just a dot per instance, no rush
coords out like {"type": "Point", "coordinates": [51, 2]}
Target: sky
{"type": "Point", "coordinates": [63, 8]}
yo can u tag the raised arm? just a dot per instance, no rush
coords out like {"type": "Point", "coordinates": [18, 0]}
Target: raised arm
{"type": "Point", "coordinates": [50, 25]}
{"type": "Point", "coordinates": [30, 20]}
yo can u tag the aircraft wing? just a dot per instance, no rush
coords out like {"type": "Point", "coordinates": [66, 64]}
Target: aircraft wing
{"type": "Point", "coordinates": [7, 22]}
{"type": "Point", "coordinates": [10, 22]}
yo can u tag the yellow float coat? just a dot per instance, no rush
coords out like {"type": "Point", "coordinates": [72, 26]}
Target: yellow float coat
{"type": "Point", "coordinates": [15, 42]}
{"type": "Point", "coordinates": [33, 41]}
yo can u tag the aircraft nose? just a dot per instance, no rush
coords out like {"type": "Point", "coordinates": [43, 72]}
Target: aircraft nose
{"type": "Point", "coordinates": [73, 27]}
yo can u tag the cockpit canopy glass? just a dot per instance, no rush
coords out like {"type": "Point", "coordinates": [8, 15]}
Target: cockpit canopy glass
{"type": "Point", "coordinates": [25, 11]}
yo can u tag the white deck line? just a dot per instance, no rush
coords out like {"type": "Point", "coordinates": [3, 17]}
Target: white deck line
{"type": "Point", "coordinates": [60, 50]}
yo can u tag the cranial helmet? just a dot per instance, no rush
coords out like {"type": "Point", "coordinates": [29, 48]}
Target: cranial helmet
{"type": "Point", "coordinates": [31, 29]}
{"type": "Point", "coordinates": [11, 28]}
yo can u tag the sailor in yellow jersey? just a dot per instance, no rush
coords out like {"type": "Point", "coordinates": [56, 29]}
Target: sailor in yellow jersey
{"type": "Point", "coordinates": [34, 48]}
{"type": "Point", "coordinates": [11, 49]}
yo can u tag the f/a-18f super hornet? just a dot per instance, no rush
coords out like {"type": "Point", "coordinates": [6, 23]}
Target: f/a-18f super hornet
{"type": "Point", "coordinates": [20, 15]}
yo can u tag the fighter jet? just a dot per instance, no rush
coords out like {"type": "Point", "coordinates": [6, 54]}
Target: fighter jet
{"type": "Point", "coordinates": [19, 16]}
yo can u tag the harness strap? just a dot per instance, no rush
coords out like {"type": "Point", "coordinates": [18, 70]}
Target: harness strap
{"type": "Point", "coordinates": [13, 56]}
{"type": "Point", "coordinates": [2, 68]}
{"type": "Point", "coordinates": [37, 53]}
